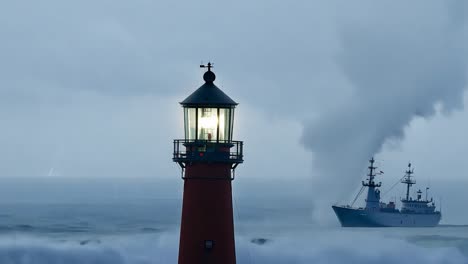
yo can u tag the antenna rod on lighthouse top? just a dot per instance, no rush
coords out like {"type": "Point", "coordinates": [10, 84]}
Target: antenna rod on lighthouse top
{"type": "Point", "coordinates": [209, 66]}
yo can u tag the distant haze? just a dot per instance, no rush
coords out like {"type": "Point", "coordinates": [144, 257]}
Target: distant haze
{"type": "Point", "coordinates": [91, 89]}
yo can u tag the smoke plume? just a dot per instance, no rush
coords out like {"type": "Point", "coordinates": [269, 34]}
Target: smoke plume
{"type": "Point", "coordinates": [402, 62]}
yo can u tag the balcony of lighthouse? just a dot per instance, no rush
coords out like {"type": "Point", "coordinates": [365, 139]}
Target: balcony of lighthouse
{"type": "Point", "coordinates": [223, 151]}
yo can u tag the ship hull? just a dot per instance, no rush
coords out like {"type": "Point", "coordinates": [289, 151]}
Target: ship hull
{"type": "Point", "coordinates": [354, 217]}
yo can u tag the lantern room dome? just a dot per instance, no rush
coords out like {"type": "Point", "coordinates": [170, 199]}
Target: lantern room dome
{"type": "Point", "coordinates": [208, 95]}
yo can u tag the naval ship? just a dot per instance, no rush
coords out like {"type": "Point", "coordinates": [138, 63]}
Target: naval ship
{"type": "Point", "coordinates": [415, 212]}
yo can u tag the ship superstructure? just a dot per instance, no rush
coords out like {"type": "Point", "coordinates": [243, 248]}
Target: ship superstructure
{"type": "Point", "coordinates": [415, 212]}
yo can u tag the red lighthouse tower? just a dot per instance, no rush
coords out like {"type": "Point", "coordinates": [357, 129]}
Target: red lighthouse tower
{"type": "Point", "coordinates": [208, 157]}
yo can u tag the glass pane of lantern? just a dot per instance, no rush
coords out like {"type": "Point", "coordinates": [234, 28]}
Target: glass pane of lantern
{"type": "Point", "coordinates": [222, 124]}
{"type": "Point", "coordinates": [207, 123]}
{"type": "Point", "coordinates": [231, 130]}
{"type": "Point", "coordinates": [186, 129]}
{"type": "Point", "coordinates": [190, 123]}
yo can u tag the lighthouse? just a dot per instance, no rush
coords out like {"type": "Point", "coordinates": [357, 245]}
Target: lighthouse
{"type": "Point", "coordinates": [208, 158]}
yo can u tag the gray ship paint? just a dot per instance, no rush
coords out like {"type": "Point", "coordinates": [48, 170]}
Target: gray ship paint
{"type": "Point", "coordinates": [413, 213]}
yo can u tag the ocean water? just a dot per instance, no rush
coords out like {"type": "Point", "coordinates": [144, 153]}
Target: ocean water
{"type": "Point", "coordinates": [147, 233]}
{"type": "Point", "coordinates": [77, 223]}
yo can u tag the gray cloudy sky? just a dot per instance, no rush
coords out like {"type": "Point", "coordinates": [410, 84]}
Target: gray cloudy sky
{"type": "Point", "coordinates": [91, 88]}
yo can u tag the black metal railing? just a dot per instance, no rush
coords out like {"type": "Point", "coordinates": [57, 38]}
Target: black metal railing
{"type": "Point", "coordinates": [209, 151]}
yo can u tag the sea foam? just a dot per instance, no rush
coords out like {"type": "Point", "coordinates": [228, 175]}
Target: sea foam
{"type": "Point", "coordinates": [309, 247]}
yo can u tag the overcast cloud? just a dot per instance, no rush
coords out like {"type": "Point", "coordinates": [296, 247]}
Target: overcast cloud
{"type": "Point", "coordinates": [91, 88]}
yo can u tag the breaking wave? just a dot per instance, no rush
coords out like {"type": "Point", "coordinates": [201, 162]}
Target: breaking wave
{"type": "Point", "coordinates": [309, 247]}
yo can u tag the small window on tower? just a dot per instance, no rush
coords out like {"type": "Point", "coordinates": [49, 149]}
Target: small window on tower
{"type": "Point", "coordinates": [209, 244]}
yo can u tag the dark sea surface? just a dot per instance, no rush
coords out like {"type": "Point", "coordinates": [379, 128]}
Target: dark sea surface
{"type": "Point", "coordinates": [138, 223]}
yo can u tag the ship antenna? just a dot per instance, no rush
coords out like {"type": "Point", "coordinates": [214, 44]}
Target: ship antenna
{"type": "Point", "coordinates": [372, 168]}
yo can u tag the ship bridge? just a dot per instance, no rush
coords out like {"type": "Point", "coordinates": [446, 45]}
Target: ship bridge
{"type": "Point", "coordinates": [418, 205]}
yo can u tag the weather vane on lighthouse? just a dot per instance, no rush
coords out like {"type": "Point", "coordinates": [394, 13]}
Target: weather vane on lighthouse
{"type": "Point", "coordinates": [208, 157]}
{"type": "Point", "coordinates": [209, 66]}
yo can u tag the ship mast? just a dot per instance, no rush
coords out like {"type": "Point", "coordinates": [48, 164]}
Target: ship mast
{"type": "Point", "coordinates": [370, 182]}
{"type": "Point", "coordinates": [408, 181]}
{"type": "Point", "coordinates": [373, 194]}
